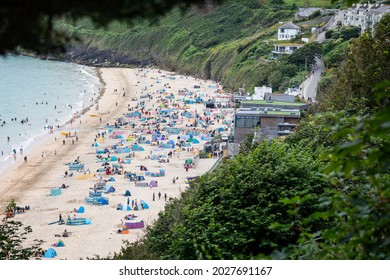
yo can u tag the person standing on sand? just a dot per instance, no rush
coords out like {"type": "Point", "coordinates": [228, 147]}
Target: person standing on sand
{"type": "Point", "coordinates": [159, 195]}
{"type": "Point", "coordinates": [154, 197]}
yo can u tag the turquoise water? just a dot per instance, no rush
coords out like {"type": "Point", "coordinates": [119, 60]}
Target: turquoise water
{"type": "Point", "coordinates": [38, 93]}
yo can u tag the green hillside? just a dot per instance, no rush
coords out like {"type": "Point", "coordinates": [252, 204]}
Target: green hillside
{"type": "Point", "coordinates": [231, 44]}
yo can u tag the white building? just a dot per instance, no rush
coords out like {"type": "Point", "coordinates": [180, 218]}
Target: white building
{"type": "Point", "coordinates": [365, 16]}
{"type": "Point", "coordinates": [288, 31]}
{"type": "Point", "coordinates": [285, 48]}
{"type": "Point", "coordinates": [261, 92]}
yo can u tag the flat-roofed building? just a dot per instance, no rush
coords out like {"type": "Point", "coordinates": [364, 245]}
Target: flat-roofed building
{"type": "Point", "coordinates": [267, 122]}
{"type": "Point", "coordinates": [273, 104]}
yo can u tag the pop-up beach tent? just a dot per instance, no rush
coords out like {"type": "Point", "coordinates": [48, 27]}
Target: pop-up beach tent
{"type": "Point", "coordinates": [125, 208]}
{"type": "Point", "coordinates": [144, 204]}
{"type": "Point", "coordinates": [103, 201]}
{"type": "Point", "coordinates": [127, 193]}
{"type": "Point", "coordinates": [81, 209]}
{"type": "Point", "coordinates": [170, 141]}
{"type": "Point", "coordinates": [60, 243]}
{"type": "Point", "coordinates": [50, 253]}
{"type": "Point", "coordinates": [153, 184]}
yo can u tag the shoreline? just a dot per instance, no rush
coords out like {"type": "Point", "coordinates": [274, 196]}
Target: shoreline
{"type": "Point", "coordinates": [30, 183]}
{"type": "Point", "coordinates": [39, 138]}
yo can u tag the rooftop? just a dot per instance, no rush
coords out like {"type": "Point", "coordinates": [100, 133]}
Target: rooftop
{"type": "Point", "coordinates": [265, 102]}
{"type": "Point", "coordinates": [289, 25]}
{"type": "Point", "coordinates": [269, 111]}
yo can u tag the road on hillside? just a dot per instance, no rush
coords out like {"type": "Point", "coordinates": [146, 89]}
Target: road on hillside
{"type": "Point", "coordinates": [309, 86]}
{"type": "Point", "coordinates": [331, 24]}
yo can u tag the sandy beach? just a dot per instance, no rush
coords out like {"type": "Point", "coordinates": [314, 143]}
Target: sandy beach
{"type": "Point", "coordinates": [30, 183]}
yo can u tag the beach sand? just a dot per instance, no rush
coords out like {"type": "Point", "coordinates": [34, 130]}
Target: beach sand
{"type": "Point", "coordinates": [30, 183]}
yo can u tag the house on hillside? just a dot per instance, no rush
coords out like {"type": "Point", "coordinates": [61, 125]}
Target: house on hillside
{"type": "Point", "coordinates": [365, 16]}
{"type": "Point", "coordinates": [288, 31]}
{"type": "Point", "coordinates": [285, 48]}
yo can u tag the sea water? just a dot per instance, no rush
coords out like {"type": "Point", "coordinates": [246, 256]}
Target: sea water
{"type": "Point", "coordinates": [36, 94]}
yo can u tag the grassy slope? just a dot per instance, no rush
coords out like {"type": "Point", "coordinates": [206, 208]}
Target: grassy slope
{"type": "Point", "coordinates": [227, 44]}
{"type": "Point", "coordinates": [310, 3]}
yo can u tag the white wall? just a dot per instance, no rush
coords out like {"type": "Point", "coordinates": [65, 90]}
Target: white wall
{"type": "Point", "coordinates": [288, 34]}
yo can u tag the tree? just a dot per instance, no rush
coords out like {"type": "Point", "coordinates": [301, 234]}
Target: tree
{"type": "Point", "coordinates": [12, 236]}
{"type": "Point", "coordinates": [30, 25]}
{"type": "Point", "coordinates": [367, 63]}
{"type": "Point", "coordinates": [305, 55]}
{"type": "Point", "coordinates": [361, 211]}
{"type": "Point", "coordinates": [228, 214]}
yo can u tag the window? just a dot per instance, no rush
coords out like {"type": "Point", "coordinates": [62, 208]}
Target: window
{"type": "Point", "coordinates": [282, 30]}
{"type": "Point", "coordinates": [247, 121]}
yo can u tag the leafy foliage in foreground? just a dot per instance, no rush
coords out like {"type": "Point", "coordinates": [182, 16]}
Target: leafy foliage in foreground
{"type": "Point", "coordinates": [228, 214]}
{"type": "Point", "coordinates": [12, 236]}
{"type": "Point", "coordinates": [367, 63]}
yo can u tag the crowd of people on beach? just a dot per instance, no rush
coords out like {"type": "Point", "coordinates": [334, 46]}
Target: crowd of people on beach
{"type": "Point", "coordinates": [152, 118]}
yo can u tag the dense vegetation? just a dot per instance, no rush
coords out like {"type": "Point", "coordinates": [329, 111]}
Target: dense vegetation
{"type": "Point", "coordinates": [12, 237]}
{"type": "Point", "coordinates": [231, 43]}
{"type": "Point", "coordinates": [323, 193]}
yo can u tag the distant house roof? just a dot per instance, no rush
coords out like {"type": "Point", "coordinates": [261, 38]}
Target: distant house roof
{"type": "Point", "coordinates": [306, 12]}
{"type": "Point", "coordinates": [289, 25]}
{"type": "Point", "coordinates": [382, 9]}
{"type": "Point", "coordinates": [289, 44]}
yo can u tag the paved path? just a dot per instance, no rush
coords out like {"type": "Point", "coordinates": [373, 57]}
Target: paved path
{"type": "Point", "coordinates": [331, 24]}
{"type": "Point", "coordinates": [309, 86]}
